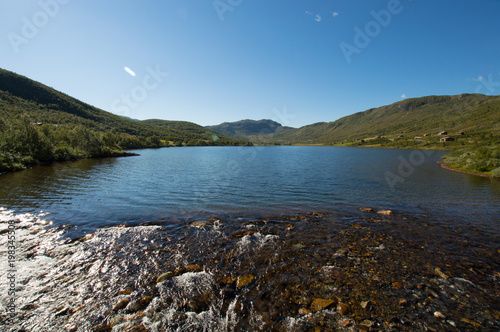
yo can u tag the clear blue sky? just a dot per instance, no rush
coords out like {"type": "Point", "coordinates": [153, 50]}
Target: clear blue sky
{"type": "Point", "coordinates": [295, 61]}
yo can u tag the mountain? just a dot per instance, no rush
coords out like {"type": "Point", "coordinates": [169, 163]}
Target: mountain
{"type": "Point", "coordinates": [470, 113]}
{"type": "Point", "coordinates": [250, 130]}
{"type": "Point", "coordinates": [41, 124]}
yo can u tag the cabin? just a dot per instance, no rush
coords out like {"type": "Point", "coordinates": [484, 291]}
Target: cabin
{"type": "Point", "coordinates": [447, 139]}
{"type": "Point", "coordinates": [461, 133]}
{"type": "Point", "coordinates": [426, 135]}
{"type": "Point", "coordinates": [443, 133]}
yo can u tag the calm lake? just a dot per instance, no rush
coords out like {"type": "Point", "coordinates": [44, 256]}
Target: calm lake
{"type": "Point", "coordinates": [178, 182]}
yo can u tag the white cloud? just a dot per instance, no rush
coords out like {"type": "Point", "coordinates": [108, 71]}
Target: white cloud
{"type": "Point", "coordinates": [403, 96]}
{"type": "Point", "coordinates": [318, 18]}
{"type": "Point", "coordinates": [130, 71]}
{"type": "Point", "coordinates": [335, 14]}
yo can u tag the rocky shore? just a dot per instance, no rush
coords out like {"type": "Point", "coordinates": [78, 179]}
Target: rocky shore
{"type": "Point", "coordinates": [356, 271]}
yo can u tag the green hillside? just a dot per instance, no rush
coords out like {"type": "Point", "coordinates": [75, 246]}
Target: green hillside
{"type": "Point", "coordinates": [251, 130]}
{"type": "Point", "coordinates": [412, 117]}
{"type": "Point", "coordinates": [39, 124]}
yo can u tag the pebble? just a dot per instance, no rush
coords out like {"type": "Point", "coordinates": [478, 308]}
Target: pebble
{"type": "Point", "coordinates": [199, 224]}
{"type": "Point", "coordinates": [304, 311]}
{"type": "Point", "coordinates": [320, 304]}
{"type": "Point", "coordinates": [244, 280]}
{"type": "Point", "coordinates": [366, 323]}
{"type": "Point", "coordinates": [440, 273]}
{"type": "Point", "coordinates": [385, 212]}
{"type": "Point", "coordinates": [343, 308]}
{"type": "Point", "coordinates": [366, 209]}
{"type": "Point", "coordinates": [438, 314]}
{"type": "Point", "coordinates": [164, 276]}
{"type": "Point", "coordinates": [365, 304]}
{"type": "Point", "coordinates": [121, 304]}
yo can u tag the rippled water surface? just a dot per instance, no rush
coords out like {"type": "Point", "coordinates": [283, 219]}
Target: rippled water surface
{"type": "Point", "coordinates": [183, 181]}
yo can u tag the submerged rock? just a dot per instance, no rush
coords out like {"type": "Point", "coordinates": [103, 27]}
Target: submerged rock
{"type": "Point", "coordinates": [165, 276]}
{"type": "Point", "coordinates": [244, 280]}
{"type": "Point", "coordinates": [366, 209]}
{"type": "Point", "coordinates": [320, 304]}
{"type": "Point", "coordinates": [343, 308]}
{"type": "Point", "coordinates": [440, 273]}
{"type": "Point", "coordinates": [121, 304]}
{"type": "Point", "coordinates": [385, 212]}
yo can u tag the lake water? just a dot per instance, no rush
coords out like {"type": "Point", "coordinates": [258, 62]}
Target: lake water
{"type": "Point", "coordinates": [180, 182]}
{"type": "Point", "coordinates": [251, 239]}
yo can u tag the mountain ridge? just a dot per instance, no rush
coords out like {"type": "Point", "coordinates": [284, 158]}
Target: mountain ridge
{"type": "Point", "coordinates": [415, 116]}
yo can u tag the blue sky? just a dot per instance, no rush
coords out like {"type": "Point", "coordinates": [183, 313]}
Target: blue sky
{"type": "Point", "coordinates": [294, 61]}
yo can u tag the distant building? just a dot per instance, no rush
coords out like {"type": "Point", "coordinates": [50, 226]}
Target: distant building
{"type": "Point", "coordinates": [461, 133]}
{"type": "Point", "coordinates": [447, 139]}
{"type": "Point", "coordinates": [425, 135]}
{"type": "Point", "coordinates": [417, 137]}
{"type": "Point", "coordinates": [401, 136]}
{"type": "Point", "coordinates": [443, 133]}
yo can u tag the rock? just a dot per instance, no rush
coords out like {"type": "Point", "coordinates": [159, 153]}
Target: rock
{"type": "Point", "coordinates": [468, 321]}
{"type": "Point", "coordinates": [402, 302]}
{"type": "Point", "coordinates": [121, 304]}
{"type": "Point", "coordinates": [71, 328]}
{"type": "Point", "coordinates": [440, 273]}
{"type": "Point", "coordinates": [199, 224]}
{"type": "Point", "coordinates": [139, 304]}
{"type": "Point", "coordinates": [438, 314]}
{"type": "Point", "coordinates": [365, 304]}
{"type": "Point", "coordinates": [304, 311]}
{"type": "Point", "coordinates": [366, 323]}
{"type": "Point", "coordinates": [64, 311]}
{"type": "Point", "coordinates": [165, 276]}
{"type": "Point", "coordinates": [397, 285]}
{"type": "Point", "coordinates": [385, 212]}
{"type": "Point", "coordinates": [193, 268]}
{"type": "Point", "coordinates": [341, 252]}
{"type": "Point", "coordinates": [244, 280]}
{"type": "Point", "coordinates": [366, 209]}
{"type": "Point", "coordinates": [118, 319]}
{"type": "Point", "coordinates": [125, 292]}
{"type": "Point", "coordinates": [343, 308]}
{"type": "Point", "coordinates": [320, 304]}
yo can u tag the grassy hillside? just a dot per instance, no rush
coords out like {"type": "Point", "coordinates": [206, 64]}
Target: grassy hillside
{"type": "Point", "coordinates": [411, 117]}
{"type": "Point", "coordinates": [251, 130]}
{"type": "Point", "coordinates": [39, 124]}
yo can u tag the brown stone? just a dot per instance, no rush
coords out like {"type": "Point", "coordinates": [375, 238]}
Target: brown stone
{"type": "Point", "coordinates": [343, 308]}
{"type": "Point", "coordinates": [244, 280]}
{"type": "Point", "coordinates": [397, 285]}
{"type": "Point", "coordinates": [385, 212]}
{"type": "Point", "coordinates": [366, 209]}
{"type": "Point", "coordinates": [320, 304]}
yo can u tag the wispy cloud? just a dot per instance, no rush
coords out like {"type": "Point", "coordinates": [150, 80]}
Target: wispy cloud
{"type": "Point", "coordinates": [403, 96]}
{"type": "Point", "coordinates": [130, 71]}
{"type": "Point", "coordinates": [317, 18]}
{"type": "Point", "coordinates": [335, 14]}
